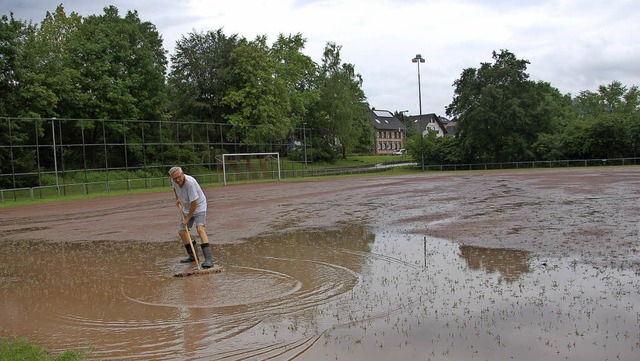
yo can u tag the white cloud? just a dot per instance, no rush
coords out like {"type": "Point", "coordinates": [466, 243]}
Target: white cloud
{"type": "Point", "coordinates": [573, 44]}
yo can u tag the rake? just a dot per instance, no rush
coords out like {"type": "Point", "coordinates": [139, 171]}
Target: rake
{"type": "Point", "coordinates": [198, 270]}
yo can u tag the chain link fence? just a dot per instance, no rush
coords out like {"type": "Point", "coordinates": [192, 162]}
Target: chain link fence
{"type": "Point", "coordinates": [41, 157]}
{"type": "Point", "coordinates": [44, 158]}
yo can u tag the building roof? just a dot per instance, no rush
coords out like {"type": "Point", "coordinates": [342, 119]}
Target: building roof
{"type": "Point", "coordinates": [385, 120]}
{"type": "Point", "coordinates": [451, 127]}
{"type": "Point", "coordinates": [420, 123]}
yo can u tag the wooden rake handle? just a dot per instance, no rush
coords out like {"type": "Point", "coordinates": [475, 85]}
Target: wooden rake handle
{"type": "Point", "coordinates": [193, 251]}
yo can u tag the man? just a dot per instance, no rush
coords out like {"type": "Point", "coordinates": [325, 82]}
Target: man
{"type": "Point", "coordinates": [193, 204]}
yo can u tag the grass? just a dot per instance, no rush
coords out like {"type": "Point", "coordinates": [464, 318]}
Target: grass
{"type": "Point", "coordinates": [48, 195]}
{"type": "Point", "coordinates": [359, 160]}
{"type": "Point", "coordinates": [20, 349]}
{"type": "Point", "coordinates": [62, 198]}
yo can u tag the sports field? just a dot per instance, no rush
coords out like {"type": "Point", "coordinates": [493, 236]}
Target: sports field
{"type": "Point", "coordinates": [515, 264]}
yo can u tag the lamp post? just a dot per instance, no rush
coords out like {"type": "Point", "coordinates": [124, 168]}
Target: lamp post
{"type": "Point", "coordinates": [419, 59]}
{"type": "Point", "coordinates": [404, 138]}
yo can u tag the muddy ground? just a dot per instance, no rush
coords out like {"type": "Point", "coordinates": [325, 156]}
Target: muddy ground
{"type": "Point", "coordinates": [584, 211]}
{"type": "Point", "coordinates": [517, 264]}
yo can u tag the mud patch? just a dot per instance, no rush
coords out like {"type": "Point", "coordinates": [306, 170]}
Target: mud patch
{"type": "Point", "coordinates": [345, 294]}
{"type": "Point", "coordinates": [536, 264]}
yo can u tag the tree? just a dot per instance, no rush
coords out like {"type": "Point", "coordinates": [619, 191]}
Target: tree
{"type": "Point", "coordinates": [50, 86]}
{"type": "Point", "coordinates": [118, 67]}
{"type": "Point", "coordinates": [121, 67]}
{"type": "Point", "coordinates": [633, 132]}
{"type": "Point", "coordinates": [201, 74]}
{"type": "Point", "coordinates": [259, 99]}
{"type": "Point", "coordinates": [614, 98]}
{"type": "Point", "coordinates": [341, 114]}
{"type": "Point", "coordinates": [410, 128]}
{"type": "Point", "coordinates": [606, 123]}
{"type": "Point", "coordinates": [501, 112]}
{"type": "Point", "coordinates": [13, 34]}
{"type": "Point", "coordinates": [298, 72]}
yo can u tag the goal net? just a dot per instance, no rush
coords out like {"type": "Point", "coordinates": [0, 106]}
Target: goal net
{"type": "Point", "coordinates": [250, 166]}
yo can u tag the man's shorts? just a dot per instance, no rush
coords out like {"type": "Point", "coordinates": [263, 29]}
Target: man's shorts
{"type": "Point", "coordinates": [198, 218]}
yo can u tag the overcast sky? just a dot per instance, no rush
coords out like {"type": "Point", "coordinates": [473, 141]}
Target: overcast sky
{"type": "Point", "coordinates": [575, 45]}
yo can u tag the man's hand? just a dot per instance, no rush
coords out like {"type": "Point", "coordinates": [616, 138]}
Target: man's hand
{"type": "Point", "coordinates": [178, 203]}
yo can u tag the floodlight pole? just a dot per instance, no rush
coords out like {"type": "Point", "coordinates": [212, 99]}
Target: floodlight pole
{"type": "Point", "coordinates": [419, 59]}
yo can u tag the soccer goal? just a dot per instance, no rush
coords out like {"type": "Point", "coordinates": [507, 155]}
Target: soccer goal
{"type": "Point", "coordinates": [247, 166]}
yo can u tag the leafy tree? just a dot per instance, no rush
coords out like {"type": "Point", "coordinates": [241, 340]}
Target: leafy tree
{"type": "Point", "coordinates": [632, 130]}
{"type": "Point", "coordinates": [447, 151]}
{"type": "Point", "coordinates": [501, 112]}
{"type": "Point", "coordinates": [118, 70]}
{"type": "Point", "coordinates": [606, 123]}
{"type": "Point", "coordinates": [614, 98]}
{"type": "Point", "coordinates": [605, 137]}
{"type": "Point", "coordinates": [49, 85]}
{"type": "Point", "coordinates": [602, 124]}
{"type": "Point", "coordinates": [550, 147]}
{"type": "Point", "coordinates": [259, 99]}
{"type": "Point", "coordinates": [429, 148]}
{"type": "Point", "coordinates": [201, 75]}
{"type": "Point", "coordinates": [121, 66]}
{"type": "Point", "coordinates": [298, 72]}
{"type": "Point", "coordinates": [404, 118]}
{"type": "Point", "coordinates": [341, 114]}
{"type": "Point", "coordinates": [13, 34]}
{"type": "Point", "coordinates": [436, 150]}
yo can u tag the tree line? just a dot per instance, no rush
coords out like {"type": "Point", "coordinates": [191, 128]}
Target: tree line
{"type": "Point", "coordinates": [109, 66]}
{"type": "Point", "coordinates": [503, 116]}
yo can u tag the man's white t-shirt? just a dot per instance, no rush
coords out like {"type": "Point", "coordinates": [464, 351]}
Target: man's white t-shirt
{"type": "Point", "coordinates": [190, 192]}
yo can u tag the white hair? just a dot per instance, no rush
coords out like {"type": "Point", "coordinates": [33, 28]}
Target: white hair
{"type": "Point", "coordinates": [175, 169]}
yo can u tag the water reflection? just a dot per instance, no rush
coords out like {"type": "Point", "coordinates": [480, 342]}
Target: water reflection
{"type": "Point", "coordinates": [120, 299]}
{"type": "Point", "coordinates": [339, 294]}
{"type": "Point", "coordinates": [509, 263]}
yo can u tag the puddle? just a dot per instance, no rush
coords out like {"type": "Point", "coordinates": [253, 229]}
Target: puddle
{"type": "Point", "coordinates": [345, 294]}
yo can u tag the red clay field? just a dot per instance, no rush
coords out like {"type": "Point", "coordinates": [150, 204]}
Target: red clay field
{"type": "Point", "coordinates": [482, 265]}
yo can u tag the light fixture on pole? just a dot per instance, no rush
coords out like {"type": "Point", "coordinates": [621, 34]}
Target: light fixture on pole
{"type": "Point", "coordinates": [419, 59]}
{"type": "Point", "coordinates": [404, 121]}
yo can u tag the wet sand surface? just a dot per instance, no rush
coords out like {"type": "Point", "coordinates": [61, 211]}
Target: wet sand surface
{"type": "Point", "coordinates": [526, 265]}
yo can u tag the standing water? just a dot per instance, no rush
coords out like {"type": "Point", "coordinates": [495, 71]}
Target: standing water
{"type": "Point", "coordinates": [343, 294]}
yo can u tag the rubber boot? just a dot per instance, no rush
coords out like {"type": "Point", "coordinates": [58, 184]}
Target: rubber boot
{"type": "Point", "coordinates": [208, 258]}
{"type": "Point", "coordinates": [190, 258]}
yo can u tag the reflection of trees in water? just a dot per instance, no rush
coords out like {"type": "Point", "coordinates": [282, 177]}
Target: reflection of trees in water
{"type": "Point", "coordinates": [334, 246]}
{"type": "Point", "coordinates": [509, 263]}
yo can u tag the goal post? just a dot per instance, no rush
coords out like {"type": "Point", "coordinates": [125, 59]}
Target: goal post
{"type": "Point", "coordinates": [248, 157]}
